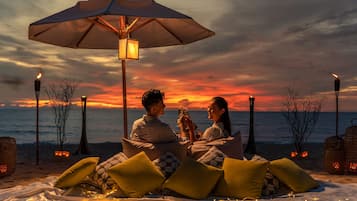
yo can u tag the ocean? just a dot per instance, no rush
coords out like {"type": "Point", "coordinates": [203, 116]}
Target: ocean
{"type": "Point", "coordinates": [105, 125]}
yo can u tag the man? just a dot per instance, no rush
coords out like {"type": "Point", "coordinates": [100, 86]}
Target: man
{"type": "Point", "coordinates": [150, 128]}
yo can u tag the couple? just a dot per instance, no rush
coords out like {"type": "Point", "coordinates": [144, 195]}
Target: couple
{"type": "Point", "coordinates": [150, 128]}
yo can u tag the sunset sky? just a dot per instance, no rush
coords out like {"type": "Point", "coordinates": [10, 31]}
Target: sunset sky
{"type": "Point", "coordinates": [260, 48]}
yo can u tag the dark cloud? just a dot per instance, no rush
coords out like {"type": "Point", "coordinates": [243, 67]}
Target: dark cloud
{"type": "Point", "coordinates": [12, 81]}
{"type": "Point", "coordinates": [260, 47]}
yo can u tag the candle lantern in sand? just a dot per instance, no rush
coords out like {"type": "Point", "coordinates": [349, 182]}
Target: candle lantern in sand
{"type": "Point", "coordinates": [334, 155]}
{"type": "Point", "coordinates": [62, 154]}
{"type": "Point", "coordinates": [37, 85]}
{"type": "Point", "coordinates": [304, 154]}
{"type": "Point", "coordinates": [294, 154]}
{"type": "Point", "coordinates": [7, 156]}
{"type": "Point", "coordinates": [350, 145]}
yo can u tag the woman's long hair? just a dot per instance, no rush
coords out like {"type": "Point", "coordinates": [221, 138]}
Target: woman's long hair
{"type": "Point", "coordinates": [222, 104]}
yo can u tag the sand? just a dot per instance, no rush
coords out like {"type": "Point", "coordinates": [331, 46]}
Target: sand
{"type": "Point", "coordinates": [27, 171]}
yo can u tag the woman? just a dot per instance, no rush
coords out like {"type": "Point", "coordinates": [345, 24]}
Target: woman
{"type": "Point", "coordinates": [219, 114]}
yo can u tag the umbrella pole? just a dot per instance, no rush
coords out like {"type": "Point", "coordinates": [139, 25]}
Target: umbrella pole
{"type": "Point", "coordinates": [125, 114]}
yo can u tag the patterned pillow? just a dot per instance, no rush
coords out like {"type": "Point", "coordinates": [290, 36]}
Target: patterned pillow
{"type": "Point", "coordinates": [271, 183]}
{"type": "Point", "coordinates": [167, 163]}
{"type": "Point", "coordinates": [213, 157]}
{"type": "Point", "coordinates": [101, 176]}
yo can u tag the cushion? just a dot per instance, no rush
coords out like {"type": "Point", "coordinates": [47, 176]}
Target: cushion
{"type": "Point", "coordinates": [193, 179]}
{"type": "Point", "coordinates": [241, 178]}
{"type": "Point", "coordinates": [167, 164]}
{"type": "Point", "coordinates": [213, 157]}
{"type": "Point", "coordinates": [77, 172]}
{"type": "Point", "coordinates": [292, 175]}
{"type": "Point", "coordinates": [271, 183]}
{"type": "Point", "coordinates": [154, 151]}
{"type": "Point", "coordinates": [137, 175]}
{"type": "Point", "coordinates": [101, 176]}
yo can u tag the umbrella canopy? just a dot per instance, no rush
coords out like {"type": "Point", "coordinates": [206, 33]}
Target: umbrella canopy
{"type": "Point", "coordinates": [99, 24]}
{"type": "Point", "coordinates": [94, 24]}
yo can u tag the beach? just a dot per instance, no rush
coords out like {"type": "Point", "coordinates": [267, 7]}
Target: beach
{"type": "Point", "coordinates": [27, 171]}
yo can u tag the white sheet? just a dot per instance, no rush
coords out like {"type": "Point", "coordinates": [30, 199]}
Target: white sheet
{"type": "Point", "coordinates": [44, 191]}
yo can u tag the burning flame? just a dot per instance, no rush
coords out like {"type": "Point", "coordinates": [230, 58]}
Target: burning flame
{"type": "Point", "coordinates": [353, 166]}
{"type": "Point", "coordinates": [294, 154]}
{"type": "Point", "coordinates": [64, 154]}
{"type": "Point", "coordinates": [3, 168]}
{"type": "Point", "coordinates": [336, 165]}
{"type": "Point", "coordinates": [304, 154]}
{"type": "Point", "coordinates": [39, 75]}
{"type": "Point", "coordinates": [334, 75]}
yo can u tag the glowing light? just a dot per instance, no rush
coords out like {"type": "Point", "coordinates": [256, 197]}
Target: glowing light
{"type": "Point", "coordinates": [336, 165]}
{"type": "Point", "coordinates": [39, 75]}
{"type": "Point", "coordinates": [333, 74]}
{"type": "Point", "coordinates": [304, 154]}
{"type": "Point", "coordinates": [3, 168]}
{"type": "Point", "coordinates": [353, 166]}
{"type": "Point", "coordinates": [294, 154]}
{"type": "Point", "coordinates": [128, 49]}
{"type": "Point", "coordinates": [63, 154]}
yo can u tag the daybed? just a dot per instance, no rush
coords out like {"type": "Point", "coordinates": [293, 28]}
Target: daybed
{"type": "Point", "coordinates": [145, 171]}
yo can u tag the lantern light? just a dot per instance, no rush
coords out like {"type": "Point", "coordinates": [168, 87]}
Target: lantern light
{"type": "Point", "coordinates": [336, 165]}
{"type": "Point", "coordinates": [304, 154]}
{"type": "Point", "coordinates": [352, 167]}
{"type": "Point", "coordinates": [62, 154]}
{"type": "Point", "coordinates": [294, 154]}
{"type": "Point", "coordinates": [128, 49]}
{"type": "Point", "coordinates": [3, 168]}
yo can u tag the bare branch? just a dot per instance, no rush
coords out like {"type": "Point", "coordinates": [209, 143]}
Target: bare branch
{"type": "Point", "coordinates": [301, 114]}
{"type": "Point", "coordinates": [60, 97]}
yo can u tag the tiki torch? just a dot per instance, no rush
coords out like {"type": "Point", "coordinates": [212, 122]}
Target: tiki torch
{"type": "Point", "coordinates": [83, 145]}
{"type": "Point", "coordinates": [37, 93]}
{"type": "Point", "coordinates": [251, 141]}
{"type": "Point", "coordinates": [337, 90]}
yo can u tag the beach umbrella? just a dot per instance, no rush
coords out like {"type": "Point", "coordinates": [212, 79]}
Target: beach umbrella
{"type": "Point", "coordinates": [104, 24]}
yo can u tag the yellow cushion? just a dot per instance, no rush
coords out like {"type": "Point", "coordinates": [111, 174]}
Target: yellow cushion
{"type": "Point", "coordinates": [241, 178]}
{"type": "Point", "coordinates": [137, 175]}
{"type": "Point", "coordinates": [193, 179]}
{"type": "Point", "coordinates": [292, 175]}
{"type": "Point", "coordinates": [77, 172]}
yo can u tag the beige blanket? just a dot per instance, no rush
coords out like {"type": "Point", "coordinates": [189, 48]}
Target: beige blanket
{"type": "Point", "coordinates": [43, 191]}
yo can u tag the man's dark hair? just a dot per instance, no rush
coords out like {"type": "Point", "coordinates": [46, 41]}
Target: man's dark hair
{"type": "Point", "coordinates": [151, 97]}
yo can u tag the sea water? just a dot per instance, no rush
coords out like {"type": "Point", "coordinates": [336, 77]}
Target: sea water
{"type": "Point", "coordinates": [106, 125]}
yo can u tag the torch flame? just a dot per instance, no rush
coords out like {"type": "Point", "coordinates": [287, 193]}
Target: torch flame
{"type": "Point", "coordinates": [39, 75]}
{"type": "Point", "coordinates": [333, 74]}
